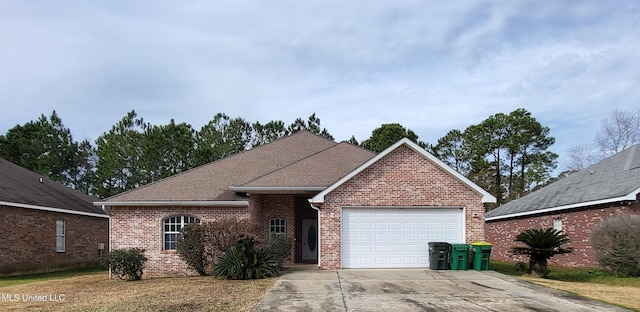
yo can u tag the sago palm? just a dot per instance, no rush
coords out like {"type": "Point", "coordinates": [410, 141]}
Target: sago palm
{"type": "Point", "coordinates": [542, 244]}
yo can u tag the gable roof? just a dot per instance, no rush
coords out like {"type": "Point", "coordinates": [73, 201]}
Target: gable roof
{"type": "Point", "coordinates": [287, 163]}
{"type": "Point", "coordinates": [486, 197]}
{"type": "Point", "coordinates": [614, 179]}
{"type": "Point", "coordinates": [22, 188]}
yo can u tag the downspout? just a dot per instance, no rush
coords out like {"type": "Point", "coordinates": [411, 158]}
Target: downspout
{"type": "Point", "coordinates": [319, 232]}
{"type": "Point", "coordinates": [108, 240]}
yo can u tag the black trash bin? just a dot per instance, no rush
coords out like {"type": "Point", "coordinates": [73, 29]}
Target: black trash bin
{"type": "Point", "coordinates": [439, 254]}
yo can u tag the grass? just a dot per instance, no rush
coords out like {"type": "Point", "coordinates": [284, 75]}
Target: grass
{"type": "Point", "coordinates": [37, 277]}
{"type": "Point", "coordinates": [93, 291]}
{"type": "Point", "coordinates": [596, 284]}
{"type": "Point", "coordinates": [566, 274]}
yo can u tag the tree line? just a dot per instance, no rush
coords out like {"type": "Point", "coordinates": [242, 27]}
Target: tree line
{"type": "Point", "coordinates": [134, 152]}
{"type": "Point", "coordinates": [506, 154]}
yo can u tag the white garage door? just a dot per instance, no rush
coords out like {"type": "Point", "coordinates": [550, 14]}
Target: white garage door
{"type": "Point", "coordinates": [396, 237]}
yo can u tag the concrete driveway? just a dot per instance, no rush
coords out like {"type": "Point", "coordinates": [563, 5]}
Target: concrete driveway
{"type": "Point", "coordinates": [311, 289]}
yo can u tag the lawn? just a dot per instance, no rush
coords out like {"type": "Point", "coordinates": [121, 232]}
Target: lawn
{"type": "Point", "coordinates": [591, 283]}
{"type": "Point", "coordinates": [93, 291]}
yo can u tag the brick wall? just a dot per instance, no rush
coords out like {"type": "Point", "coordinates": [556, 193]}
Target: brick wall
{"type": "Point", "coordinates": [577, 224]}
{"type": "Point", "coordinates": [401, 178]}
{"type": "Point", "coordinates": [29, 239]}
{"type": "Point", "coordinates": [142, 227]}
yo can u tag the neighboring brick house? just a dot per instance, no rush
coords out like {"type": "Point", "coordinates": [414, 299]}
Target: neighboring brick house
{"type": "Point", "coordinates": [46, 225]}
{"type": "Point", "coordinates": [344, 206]}
{"type": "Point", "coordinates": [574, 205]}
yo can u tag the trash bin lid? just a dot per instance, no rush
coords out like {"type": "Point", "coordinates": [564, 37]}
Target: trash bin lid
{"type": "Point", "coordinates": [460, 246]}
{"type": "Point", "coordinates": [480, 244]}
{"type": "Point", "coordinates": [439, 244]}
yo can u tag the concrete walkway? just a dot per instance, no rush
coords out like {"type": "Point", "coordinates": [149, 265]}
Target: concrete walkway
{"type": "Point", "coordinates": [310, 289]}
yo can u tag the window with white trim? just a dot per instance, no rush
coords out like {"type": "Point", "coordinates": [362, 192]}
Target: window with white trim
{"type": "Point", "coordinates": [277, 226]}
{"type": "Point", "coordinates": [60, 236]}
{"type": "Point", "coordinates": [171, 230]}
{"type": "Point", "coordinates": [557, 224]}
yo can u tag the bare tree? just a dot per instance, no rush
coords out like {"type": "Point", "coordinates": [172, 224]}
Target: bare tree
{"type": "Point", "coordinates": [619, 131]}
{"type": "Point", "coordinates": [580, 156]}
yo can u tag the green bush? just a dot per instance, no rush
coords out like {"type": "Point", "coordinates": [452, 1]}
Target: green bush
{"type": "Point", "coordinates": [616, 242]}
{"type": "Point", "coordinates": [280, 245]}
{"type": "Point", "coordinates": [191, 248]}
{"type": "Point", "coordinates": [242, 261]}
{"type": "Point", "coordinates": [542, 244]}
{"type": "Point", "coordinates": [126, 263]}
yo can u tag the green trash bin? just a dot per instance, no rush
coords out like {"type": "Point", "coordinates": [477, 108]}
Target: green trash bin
{"type": "Point", "coordinates": [481, 255]}
{"type": "Point", "coordinates": [459, 256]}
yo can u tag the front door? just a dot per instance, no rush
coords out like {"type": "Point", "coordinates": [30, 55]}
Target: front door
{"type": "Point", "coordinates": [309, 240]}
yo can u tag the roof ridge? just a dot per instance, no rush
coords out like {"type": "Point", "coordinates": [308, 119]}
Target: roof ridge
{"type": "Point", "coordinates": [290, 164]}
{"type": "Point", "coordinates": [357, 145]}
{"type": "Point", "coordinates": [630, 158]}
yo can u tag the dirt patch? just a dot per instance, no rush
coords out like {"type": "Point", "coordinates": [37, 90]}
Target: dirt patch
{"type": "Point", "coordinates": [95, 292]}
{"type": "Point", "coordinates": [626, 296]}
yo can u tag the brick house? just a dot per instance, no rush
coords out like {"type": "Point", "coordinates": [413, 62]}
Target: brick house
{"type": "Point", "coordinates": [574, 205]}
{"type": "Point", "coordinates": [344, 206]}
{"type": "Point", "coordinates": [46, 225]}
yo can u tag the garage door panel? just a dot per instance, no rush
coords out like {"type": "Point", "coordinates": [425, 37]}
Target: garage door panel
{"type": "Point", "coordinates": [396, 237]}
{"type": "Point", "coordinates": [382, 237]}
{"type": "Point", "coordinates": [409, 225]}
{"type": "Point", "coordinates": [382, 226]}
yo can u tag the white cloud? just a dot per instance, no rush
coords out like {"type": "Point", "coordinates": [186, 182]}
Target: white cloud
{"type": "Point", "coordinates": [431, 66]}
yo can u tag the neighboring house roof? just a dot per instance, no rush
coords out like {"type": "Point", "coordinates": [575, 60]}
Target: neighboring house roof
{"type": "Point", "coordinates": [22, 188]}
{"type": "Point", "coordinates": [300, 162]}
{"type": "Point", "coordinates": [486, 197]}
{"type": "Point", "coordinates": [614, 179]}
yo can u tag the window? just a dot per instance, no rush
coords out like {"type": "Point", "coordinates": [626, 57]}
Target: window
{"type": "Point", "coordinates": [277, 226]}
{"type": "Point", "coordinates": [557, 224]}
{"type": "Point", "coordinates": [171, 229]}
{"type": "Point", "coordinates": [60, 231]}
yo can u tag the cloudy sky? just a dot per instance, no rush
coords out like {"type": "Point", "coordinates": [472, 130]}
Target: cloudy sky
{"type": "Point", "coordinates": [432, 66]}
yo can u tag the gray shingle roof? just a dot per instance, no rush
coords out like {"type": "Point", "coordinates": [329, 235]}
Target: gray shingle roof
{"type": "Point", "coordinates": [289, 161]}
{"type": "Point", "coordinates": [612, 179]}
{"type": "Point", "coordinates": [320, 169]}
{"type": "Point", "coordinates": [21, 186]}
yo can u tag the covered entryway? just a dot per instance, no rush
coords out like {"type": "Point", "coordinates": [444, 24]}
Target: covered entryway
{"type": "Point", "coordinates": [396, 237]}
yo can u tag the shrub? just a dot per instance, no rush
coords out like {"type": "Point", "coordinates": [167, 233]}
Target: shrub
{"type": "Point", "coordinates": [242, 261]}
{"type": "Point", "coordinates": [616, 242]}
{"type": "Point", "coordinates": [199, 245]}
{"type": "Point", "coordinates": [191, 248]}
{"type": "Point", "coordinates": [280, 245]}
{"type": "Point", "coordinates": [220, 235]}
{"type": "Point", "coordinates": [542, 244]}
{"type": "Point", "coordinates": [126, 263]}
